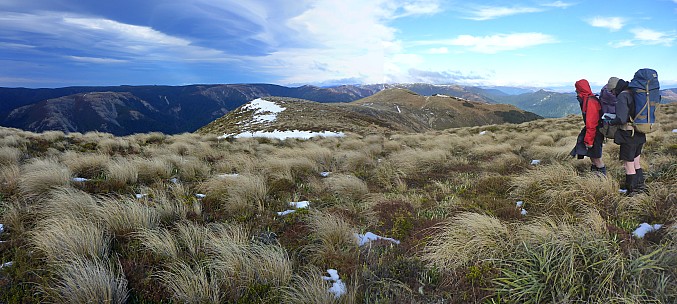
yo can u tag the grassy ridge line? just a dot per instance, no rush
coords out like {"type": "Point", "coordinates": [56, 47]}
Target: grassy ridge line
{"type": "Point", "coordinates": [448, 196]}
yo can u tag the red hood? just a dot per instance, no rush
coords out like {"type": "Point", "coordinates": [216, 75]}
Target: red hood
{"type": "Point", "coordinates": [583, 88]}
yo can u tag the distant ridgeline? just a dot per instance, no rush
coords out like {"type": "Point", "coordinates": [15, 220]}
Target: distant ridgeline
{"type": "Point", "coordinates": [123, 110]}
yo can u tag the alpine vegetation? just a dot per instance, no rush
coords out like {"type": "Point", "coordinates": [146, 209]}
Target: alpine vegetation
{"type": "Point", "coordinates": [496, 213]}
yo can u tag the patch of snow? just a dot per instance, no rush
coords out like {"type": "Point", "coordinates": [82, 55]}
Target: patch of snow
{"type": "Point", "coordinates": [2, 228]}
{"type": "Point", "coordinates": [325, 174]}
{"type": "Point", "coordinates": [295, 205]}
{"type": "Point", "coordinates": [140, 195]}
{"type": "Point", "coordinates": [519, 204]}
{"type": "Point", "coordinates": [398, 109]}
{"type": "Point", "coordinates": [6, 264]}
{"type": "Point", "coordinates": [623, 191]}
{"type": "Point", "coordinates": [338, 288]}
{"type": "Point", "coordinates": [368, 237]}
{"type": "Point", "coordinates": [289, 134]}
{"type": "Point", "coordinates": [536, 162]}
{"type": "Point", "coordinates": [79, 179]}
{"type": "Point", "coordinates": [200, 195]}
{"type": "Point", "coordinates": [264, 110]}
{"type": "Point", "coordinates": [674, 130]}
{"type": "Point", "coordinates": [301, 204]}
{"type": "Point", "coordinates": [227, 175]}
{"type": "Point", "coordinates": [282, 213]}
{"type": "Point", "coordinates": [174, 180]}
{"type": "Point", "coordinates": [483, 132]}
{"type": "Point", "coordinates": [523, 212]}
{"type": "Point", "coordinates": [442, 95]}
{"type": "Point", "coordinates": [645, 228]}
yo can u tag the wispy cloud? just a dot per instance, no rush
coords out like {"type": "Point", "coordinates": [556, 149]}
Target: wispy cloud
{"type": "Point", "coordinates": [644, 36]}
{"type": "Point", "coordinates": [612, 23]}
{"type": "Point", "coordinates": [439, 50]}
{"type": "Point", "coordinates": [492, 12]}
{"type": "Point", "coordinates": [495, 43]}
{"type": "Point", "coordinates": [649, 36]}
{"type": "Point", "coordinates": [96, 60]}
{"type": "Point", "coordinates": [560, 4]}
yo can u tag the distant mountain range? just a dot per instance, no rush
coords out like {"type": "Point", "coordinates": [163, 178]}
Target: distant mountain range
{"type": "Point", "coordinates": [123, 110]}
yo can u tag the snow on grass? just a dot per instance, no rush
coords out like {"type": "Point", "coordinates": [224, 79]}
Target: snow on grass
{"type": "Point", "coordinates": [6, 264]}
{"type": "Point", "coordinates": [2, 228]}
{"type": "Point", "coordinates": [368, 237]}
{"type": "Point", "coordinates": [338, 288]}
{"type": "Point", "coordinates": [325, 173]}
{"type": "Point", "coordinates": [79, 179]}
{"type": "Point", "coordinates": [535, 162]}
{"type": "Point", "coordinates": [286, 134]}
{"type": "Point", "coordinates": [295, 205]}
{"type": "Point", "coordinates": [264, 110]}
{"type": "Point", "coordinates": [645, 228]}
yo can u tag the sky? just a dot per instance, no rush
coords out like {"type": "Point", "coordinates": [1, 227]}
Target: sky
{"type": "Point", "coordinates": [548, 44]}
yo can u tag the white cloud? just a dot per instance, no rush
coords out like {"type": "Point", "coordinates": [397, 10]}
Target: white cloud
{"type": "Point", "coordinates": [644, 36]}
{"type": "Point", "coordinates": [96, 60]}
{"type": "Point", "coordinates": [349, 39]}
{"type": "Point", "coordinates": [560, 4]}
{"type": "Point", "coordinates": [102, 38]}
{"type": "Point", "coordinates": [497, 43]}
{"type": "Point", "coordinates": [493, 12]}
{"type": "Point", "coordinates": [648, 36]}
{"type": "Point", "coordinates": [440, 50]}
{"type": "Point", "coordinates": [612, 23]}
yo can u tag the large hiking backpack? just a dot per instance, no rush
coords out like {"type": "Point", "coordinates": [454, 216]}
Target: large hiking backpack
{"type": "Point", "coordinates": [645, 89]}
{"type": "Point", "coordinates": [608, 102]}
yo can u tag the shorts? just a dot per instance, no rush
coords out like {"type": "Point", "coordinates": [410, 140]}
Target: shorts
{"type": "Point", "coordinates": [631, 145]}
{"type": "Point", "coordinates": [596, 150]}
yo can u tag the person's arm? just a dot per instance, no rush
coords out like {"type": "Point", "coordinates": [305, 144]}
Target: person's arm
{"type": "Point", "coordinates": [591, 120]}
{"type": "Point", "coordinates": [622, 109]}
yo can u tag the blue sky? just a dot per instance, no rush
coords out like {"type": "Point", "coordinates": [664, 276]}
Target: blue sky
{"type": "Point", "coordinates": [548, 44]}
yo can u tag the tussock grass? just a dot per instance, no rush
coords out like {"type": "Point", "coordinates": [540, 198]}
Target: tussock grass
{"type": "Point", "coordinates": [41, 175]}
{"type": "Point", "coordinates": [121, 172]}
{"type": "Point", "coordinates": [10, 176]}
{"type": "Point", "coordinates": [124, 216]}
{"type": "Point", "coordinates": [236, 193]}
{"type": "Point", "coordinates": [332, 240]}
{"type": "Point", "coordinates": [153, 169]}
{"type": "Point", "coordinates": [416, 161]}
{"type": "Point", "coordinates": [88, 281]}
{"type": "Point", "coordinates": [467, 238]}
{"type": "Point", "coordinates": [347, 187]}
{"type": "Point", "coordinates": [160, 242]}
{"type": "Point", "coordinates": [310, 288]}
{"type": "Point", "coordinates": [68, 238]}
{"type": "Point", "coordinates": [9, 156]}
{"type": "Point", "coordinates": [70, 203]}
{"type": "Point", "coordinates": [192, 283]}
{"type": "Point", "coordinates": [558, 190]}
{"type": "Point", "coordinates": [87, 165]}
{"type": "Point", "coordinates": [567, 262]}
{"type": "Point", "coordinates": [190, 168]}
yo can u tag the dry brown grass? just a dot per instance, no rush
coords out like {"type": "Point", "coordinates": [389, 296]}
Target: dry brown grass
{"type": "Point", "coordinates": [123, 216]}
{"type": "Point", "coordinates": [9, 156]}
{"type": "Point", "coordinates": [347, 187]}
{"type": "Point", "coordinates": [87, 165]}
{"type": "Point", "coordinates": [41, 175]}
{"type": "Point", "coordinates": [332, 240]}
{"type": "Point", "coordinates": [88, 281]}
{"type": "Point", "coordinates": [68, 238]}
{"type": "Point", "coordinates": [160, 242]}
{"type": "Point", "coordinates": [10, 176]}
{"type": "Point", "coordinates": [192, 283]}
{"type": "Point", "coordinates": [469, 238]}
{"type": "Point", "coordinates": [121, 172]}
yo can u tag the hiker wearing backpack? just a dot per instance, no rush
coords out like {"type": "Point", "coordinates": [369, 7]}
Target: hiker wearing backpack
{"type": "Point", "coordinates": [589, 142]}
{"type": "Point", "coordinates": [629, 135]}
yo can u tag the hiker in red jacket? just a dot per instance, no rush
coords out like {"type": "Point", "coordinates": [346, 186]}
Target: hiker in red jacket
{"type": "Point", "coordinates": [590, 139]}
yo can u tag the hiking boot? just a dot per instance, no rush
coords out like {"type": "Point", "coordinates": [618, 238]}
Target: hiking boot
{"type": "Point", "coordinates": [631, 184]}
{"type": "Point", "coordinates": [602, 170]}
{"type": "Point", "coordinates": [641, 185]}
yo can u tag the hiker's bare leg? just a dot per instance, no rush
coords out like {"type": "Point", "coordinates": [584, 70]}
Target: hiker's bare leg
{"type": "Point", "coordinates": [629, 167]}
{"type": "Point", "coordinates": [636, 163]}
{"type": "Point", "coordinates": [597, 162]}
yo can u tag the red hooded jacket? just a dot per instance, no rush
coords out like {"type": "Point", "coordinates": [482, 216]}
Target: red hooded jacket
{"type": "Point", "coordinates": [589, 105]}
